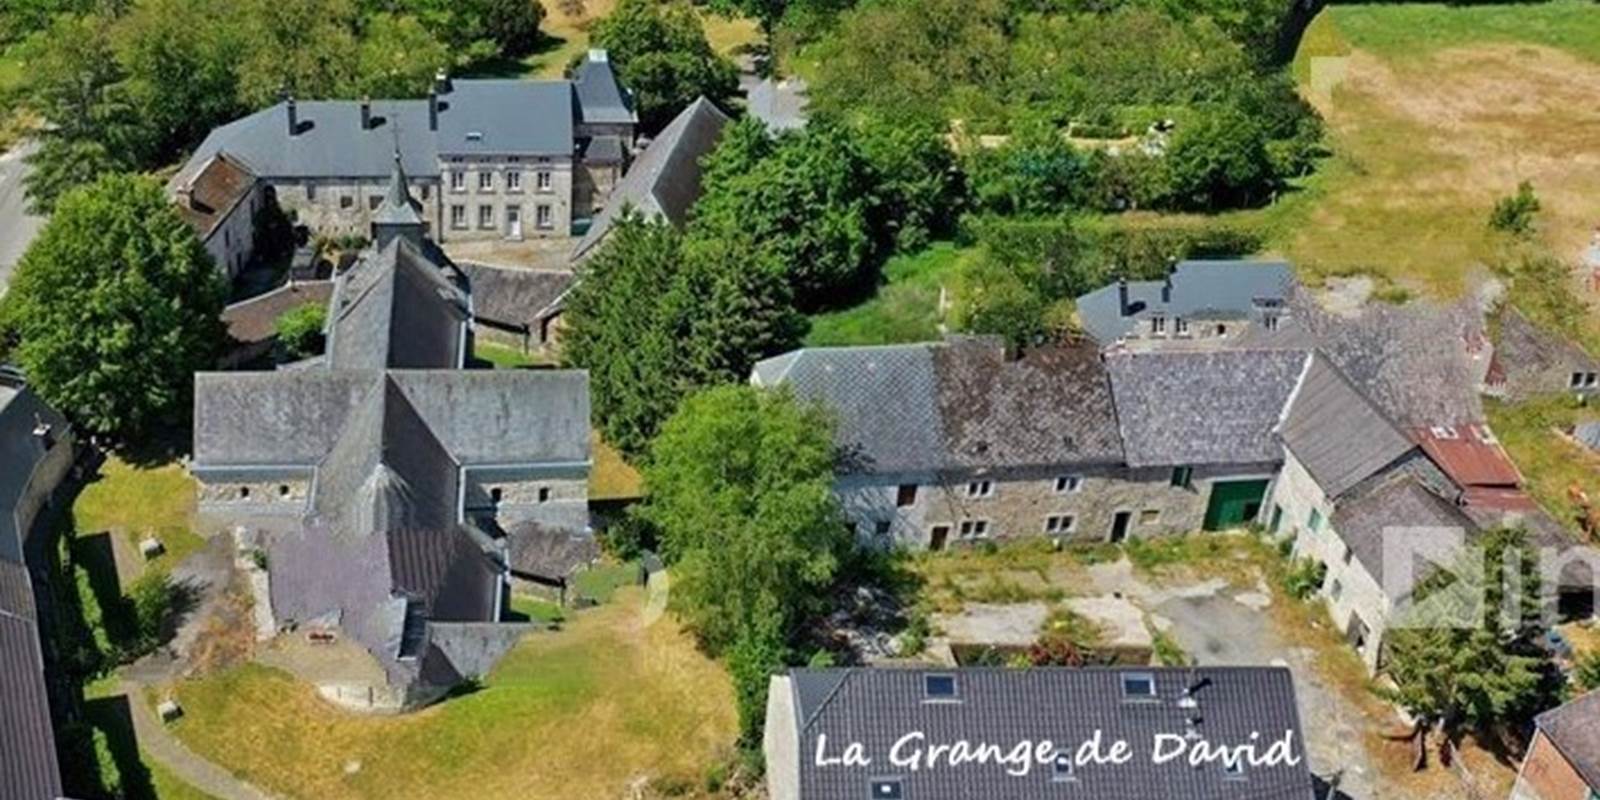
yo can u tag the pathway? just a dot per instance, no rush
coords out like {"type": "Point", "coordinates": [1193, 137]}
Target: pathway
{"type": "Point", "coordinates": [17, 226]}
{"type": "Point", "coordinates": [163, 747]}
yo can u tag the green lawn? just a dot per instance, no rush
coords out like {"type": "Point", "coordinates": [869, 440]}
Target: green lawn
{"type": "Point", "coordinates": [602, 582]}
{"type": "Point", "coordinates": [503, 356]}
{"type": "Point", "coordinates": [1420, 29]}
{"type": "Point", "coordinates": [537, 609]}
{"type": "Point", "coordinates": [904, 309]}
{"type": "Point", "coordinates": [1550, 463]}
{"type": "Point", "coordinates": [134, 502]}
{"type": "Point", "coordinates": [582, 712]}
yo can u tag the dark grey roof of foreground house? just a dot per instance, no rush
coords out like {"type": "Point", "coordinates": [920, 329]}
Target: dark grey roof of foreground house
{"type": "Point", "coordinates": [664, 180]}
{"type": "Point", "coordinates": [1336, 433]}
{"type": "Point", "coordinates": [957, 404]}
{"type": "Point", "coordinates": [1202, 407]}
{"type": "Point", "coordinates": [877, 707]}
{"type": "Point", "coordinates": [1574, 729]}
{"type": "Point", "coordinates": [1195, 290]}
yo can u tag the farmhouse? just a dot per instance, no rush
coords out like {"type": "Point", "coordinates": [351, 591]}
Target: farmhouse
{"type": "Point", "coordinates": [1563, 761]}
{"type": "Point", "coordinates": [36, 449]}
{"type": "Point", "coordinates": [391, 490]}
{"type": "Point", "coordinates": [491, 159]}
{"type": "Point", "coordinates": [1109, 734]}
{"type": "Point", "coordinates": [1198, 301]}
{"type": "Point", "coordinates": [220, 197]}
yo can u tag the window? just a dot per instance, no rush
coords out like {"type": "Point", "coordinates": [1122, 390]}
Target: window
{"type": "Point", "coordinates": [887, 789]}
{"type": "Point", "coordinates": [244, 493]}
{"type": "Point", "coordinates": [1584, 380]}
{"type": "Point", "coordinates": [283, 490]}
{"type": "Point", "coordinates": [1149, 516]}
{"type": "Point", "coordinates": [1270, 321]}
{"type": "Point", "coordinates": [1277, 518]}
{"type": "Point", "coordinates": [541, 216]}
{"type": "Point", "coordinates": [496, 493]}
{"type": "Point", "coordinates": [1222, 331]}
{"type": "Point", "coordinates": [374, 201]}
{"type": "Point", "coordinates": [346, 201]}
{"type": "Point", "coordinates": [458, 181]}
{"type": "Point", "coordinates": [1182, 477]}
{"type": "Point", "coordinates": [1348, 554]}
{"type": "Point", "coordinates": [413, 632]}
{"type": "Point", "coordinates": [974, 528]}
{"type": "Point", "coordinates": [541, 181]}
{"type": "Point", "coordinates": [311, 191]}
{"type": "Point", "coordinates": [1158, 326]}
{"type": "Point", "coordinates": [1180, 326]}
{"type": "Point", "coordinates": [544, 494]}
{"type": "Point", "coordinates": [486, 216]}
{"type": "Point", "coordinates": [458, 216]}
{"type": "Point", "coordinates": [980, 488]}
{"type": "Point", "coordinates": [881, 528]}
{"type": "Point", "coordinates": [485, 181]}
{"type": "Point", "coordinates": [939, 687]}
{"type": "Point", "coordinates": [905, 495]}
{"type": "Point", "coordinates": [427, 191]}
{"type": "Point", "coordinates": [1060, 523]}
{"type": "Point", "coordinates": [1067, 484]}
{"type": "Point", "coordinates": [513, 181]}
{"type": "Point", "coordinates": [1315, 521]}
{"type": "Point", "coordinates": [1138, 685]}
{"type": "Point", "coordinates": [1061, 766]}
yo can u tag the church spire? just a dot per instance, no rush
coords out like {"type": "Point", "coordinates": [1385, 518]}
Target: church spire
{"type": "Point", "coordinates": [399, 214]}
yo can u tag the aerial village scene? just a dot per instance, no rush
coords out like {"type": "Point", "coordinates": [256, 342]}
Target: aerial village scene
{"type": "Point", "coordinates": [799, 400]}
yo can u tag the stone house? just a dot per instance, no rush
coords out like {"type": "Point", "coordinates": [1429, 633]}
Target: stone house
{"type": "Point", "coordinates": [958, 734]}
{"type": "Point", "coordinates": [1563, 760]}
{"type": "Point", "coordinates": [391, 489]}
{"type": "Point", "coordinates": [1197, 302]}
{"type": "Point", "coordinates": [220, 198]}
{"type": "Point", "coordinates": [36, 455]}
{"type": "Point", "coordinates": [960, 440]}
{"type": "Point", "coordinates": [1529, 362]}
{"type": "Point", "coordinates": [490, 159]}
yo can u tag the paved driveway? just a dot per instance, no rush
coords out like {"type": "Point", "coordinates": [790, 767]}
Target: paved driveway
{"type": "Point", "coordinates": [17, 226]}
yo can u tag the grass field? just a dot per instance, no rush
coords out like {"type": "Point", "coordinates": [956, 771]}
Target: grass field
{"type": "Point", "coordinates": [505, 356]}
{"type": "Point", "coordinates": [567, 38]}
{"type": "Point", "coordinates": [904, 309]}
{"type": "Point", "coordinates": [1549, 461]}
{"type": "Point", "coordinates": [584, 712]}
{"type": "Point", "coordinates": [133, 502]}
{"type": "Point", "coordinates": [1434, 112]}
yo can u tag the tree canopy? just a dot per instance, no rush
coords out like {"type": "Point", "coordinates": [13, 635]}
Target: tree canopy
{"type": "Point", "coordinates": [662, 55]}
{"type": "Point", "coordinates": [116, 305]}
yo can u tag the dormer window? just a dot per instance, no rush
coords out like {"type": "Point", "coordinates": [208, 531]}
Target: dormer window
{"type": "Point", "coordinates": [887, 789]}
{"type": "Point", "coordinates": [1061, 766]}
{"type": "Point", "coordinates": [1180, 326]}
{"type": "Point", "coordinates": [940, 687]}
{"type": "Point", "coordinates": [1442, 432]}
{"type": "Point", "coordinates": [1270, 322]}
{"type": "Point", "coordinates": [474, 136]}
{"type": "Point", "coordinates": [1138, 686]}
{"type": "Point", "coordinates": [1158, 326]}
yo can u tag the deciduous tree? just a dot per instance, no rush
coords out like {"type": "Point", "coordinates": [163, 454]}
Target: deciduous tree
{"type": "Point", "coordinates": [662, 55]}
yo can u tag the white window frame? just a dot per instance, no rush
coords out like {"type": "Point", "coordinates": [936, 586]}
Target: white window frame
{"type": "Point", "coordinates": [980, 488]}
{"type": "Point", "coordinates": [542, 180]}
{"type": "Point", "coordinates": [458, 216]}
{"type": "Point", "coordinates": [485, 180]}
{"type": "Point", "coordinates": [1060, 523]}
{"type": "Point", "coordinates": [1158, 326]}
{"type": "Point", "coordinates": [458, 181]}
{"type": "Point", "coordinates": [486, 221]}
{"type": "Point", "coordinates": [1069, 484]}
{"type": "Point", "coordinates": [543, 217]}
{"type": "Point", "coordinates": [973, 529]}
{"type": "Point", "coordinates": [513, 180]}
{"type": "Point", "coordinates": [1180, 326]}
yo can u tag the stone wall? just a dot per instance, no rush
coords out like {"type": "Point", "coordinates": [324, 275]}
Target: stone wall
{"type": "Point", "coordinates": [555, 496]}
{"type": "Point", "coordinates": [1020, 503]}
{"type": "Point", "coordinates": [233, 242]}
{"type": "Point", "coordinates": [344, 207]}
{"type": "Point", "coordinates": [253, 495]}
{"type": "Point", "coordinates": [499, 197]}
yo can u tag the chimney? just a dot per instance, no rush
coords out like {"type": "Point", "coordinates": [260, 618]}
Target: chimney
{"type": "Point", "coordinates": [366, 113]}
{"type": "Point", "coordinates": [1122, 295]}
{"type": "Point", "coordinates": [599, 56]}
{"type": "Point", "coordinates": [294, 116]}
{"type": "Point", "coordinates": [186, 195]}
{"type": "Point", "coordinates": [433, 109]}
{"type": "Point", "coordinates": [1166, 288]}
{"type": "Point", "coordinates": [441, 82]}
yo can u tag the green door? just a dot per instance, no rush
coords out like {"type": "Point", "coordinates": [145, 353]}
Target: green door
{"type": "Point", "coordinates": [1234, 503]}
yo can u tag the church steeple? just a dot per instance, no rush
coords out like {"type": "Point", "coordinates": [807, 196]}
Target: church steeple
{"type": "Point", "coordinates": [400, 215]}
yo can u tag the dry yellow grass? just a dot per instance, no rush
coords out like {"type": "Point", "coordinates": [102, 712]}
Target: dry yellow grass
{"type": "Point", "coordinates": [571, 35]}
{"type": "Point", "coordinates": [1425, 143]}
{"type": "Point", "coordinates": [584, 712]}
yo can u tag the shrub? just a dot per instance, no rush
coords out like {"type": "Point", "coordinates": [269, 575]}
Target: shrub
{"type": "Point", "coordinates": [154, 598]}
{"type": "Point", "coordinates": [1515, 214]}
{"type": "Point", "coordinates": [300, 331]}
{"type": "Point", "coordinates": [1304, 578]}
{"type": "Point", "coordinates": [1586, 671]}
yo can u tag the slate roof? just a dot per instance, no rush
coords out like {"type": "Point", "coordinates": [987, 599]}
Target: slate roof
{"type": "Point", "coordinates": [1199, 290]}
{"type": "Point", "coordinates": [514, 117]}
{"type": "Point", "coordinates": [255, 320]}
{"type": "Point", "coordinates": [514, 297]}
{"type": "Point", "coordinates": [549, 552]}
{"type": "Point", "coordinates": [601, 98]}
{"type": "Point", "coordinates": [213, 191]}
{"type": "Point", "coordinates": [779, 104]}
{"type": "Point", "coordinates": [1066, 706]}
{"type": "Point", "coordinates": [664, 180]}
{"type": "Point", "coordinates": [382, 552]}
{"type": "Point", "coordinates": [1364, 521]}
{"type": "Point", "coordinates": [1574, 729]}
{"type": "Point", "coordinates": [1202, 407]}
{"type": "Point", "coordinates": [20, 451]}
{"type": "Point", "coordinates": [387, 313]}
{"type": "Point", "coordinates": [1336, 433]}
{"type": "Point", "coordinates": [957, 404]}
{"type": "Point", "coordinates": [1534, 360]}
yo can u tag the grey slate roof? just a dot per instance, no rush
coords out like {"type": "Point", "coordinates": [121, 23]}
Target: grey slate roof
{"type": "Point", "coordinates": [601, 98]}
{"type": "Point", "coordinates": [550, 551]}
{"type": "Point", "coordinates": [398, 206]}
{"type": "Point", "coordinates": [387, 312]}
{"type": "Point", "coordinates": [514, 297]}
{"type": "Point", "coordinates": [664, 180]}
{"type": "Point", "coordinates": [1065, 706]}
{"type": "Point", "coordinates": [1336, 433]}
{"type": "Point", "coordinates": [779, 104]}
{"type": "Point", "coordinates": [1202, 407]}
{"type": "Point", "coordinates": [1536, 361]}
{"type": "Point", "coordinates": [1399, 501]}
{"type": "Point", "coordinates": [20, 452]}
{"type": "Point", "coordinates": [1199, 290]}
{"type": "Point", "coordinates": [1574, 729]}
{"type": "Point", "coordinates": [508, 117]}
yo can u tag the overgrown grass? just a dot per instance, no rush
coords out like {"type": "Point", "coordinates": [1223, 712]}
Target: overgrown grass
{"type": "Point", "coordinates": [612, 478]}
{"type": "Point", "coordinates": [537, 609]}
{"type": "Point", "coordinates": [904, 309]}
{"type": "Point", "coordinates": [584, 712]}
{"type": "Point", "coordinates": [567, 39]}
{"type": "Point", "coordinates": [1550, 463]}
{"type": "Point", "coordinates": [602, 582]}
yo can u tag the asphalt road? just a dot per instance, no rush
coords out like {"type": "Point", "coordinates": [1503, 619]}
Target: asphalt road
{"type": "Point", "coordinates": [17, 226]}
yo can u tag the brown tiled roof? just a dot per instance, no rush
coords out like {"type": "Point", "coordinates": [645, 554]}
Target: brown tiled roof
{"type": "Point", "coordinates": [206, 198]}
{"type": "Point", "coordinates": [255, 320]}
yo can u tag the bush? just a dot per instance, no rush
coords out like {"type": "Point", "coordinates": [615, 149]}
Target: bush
{"type": "Point", "coordinates": [1304, 578]}
{"type": "Point", "coordinates": [1515, 214]}
{"type": "Point", "coordinates": [1586, 671]}
{"type": "Point", "coordinates": [300, 331]}
{"type": "Point", "coordinates": [153, 598]}
{"type": "Point", "coordinates": [1148, 251]}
